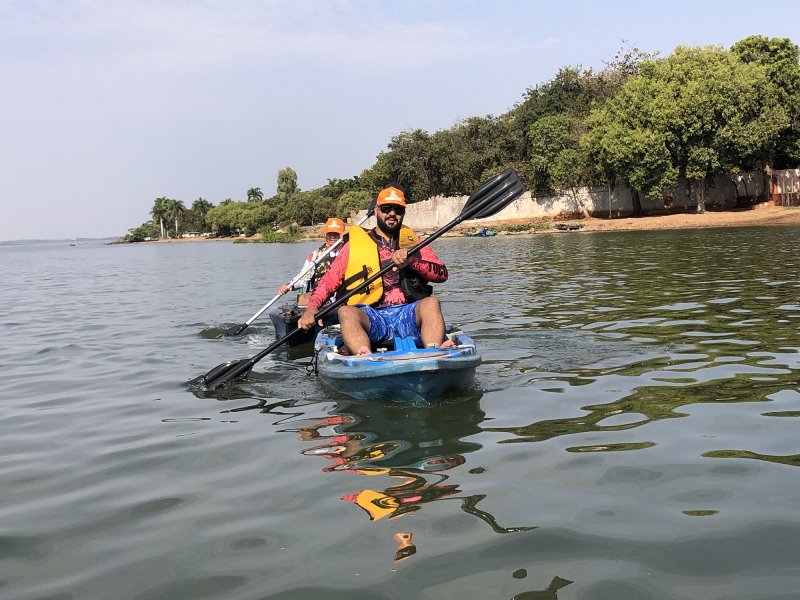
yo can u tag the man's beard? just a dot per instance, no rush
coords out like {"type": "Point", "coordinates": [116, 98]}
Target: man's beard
{"type": "Point", "coordinates": [390, 231]}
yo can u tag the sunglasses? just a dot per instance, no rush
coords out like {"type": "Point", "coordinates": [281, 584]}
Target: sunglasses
{"type": "Point", "coordinates": [398, 210]}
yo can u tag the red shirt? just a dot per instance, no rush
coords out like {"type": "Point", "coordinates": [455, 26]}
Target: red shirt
{"type": "Point", "coordinates": [425, 263]}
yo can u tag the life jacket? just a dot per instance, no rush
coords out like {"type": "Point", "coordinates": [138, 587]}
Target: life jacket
{"type": "Point", "coordinates": [322, 266]}
{"type": "Point", "coordinates": [364, 262]}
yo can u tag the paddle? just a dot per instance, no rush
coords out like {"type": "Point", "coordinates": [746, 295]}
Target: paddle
{"type": "Point", "coordinates": [238, 329]}
{"type": "Point", "coordinates": [488, 199]}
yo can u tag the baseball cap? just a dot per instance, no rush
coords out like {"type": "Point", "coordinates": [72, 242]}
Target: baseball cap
{"type": "Point", "coordinates": [334, 225]}
{"type": "Point", "coordinates": [391, 195]}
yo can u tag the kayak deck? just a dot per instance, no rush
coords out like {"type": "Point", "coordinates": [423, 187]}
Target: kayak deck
{"type": "Point", "coordinates": [400, 372]}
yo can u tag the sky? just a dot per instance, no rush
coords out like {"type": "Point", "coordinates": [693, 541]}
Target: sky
{"type": "Point", "coordinates": [106, 105]}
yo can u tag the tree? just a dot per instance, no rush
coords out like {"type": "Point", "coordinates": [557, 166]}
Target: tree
{"type": "Point", "coordinates": [308, 208]}
{"type": "Point", "coordinates": [144, 231]}
{"type": "Point", "coordinates": [287, 184]}
{"type": "Point", "coordinates": [175, 209]}
{"type": "Point", "coordinates": [408, 164]}
{"type": "Point", "coordinates": [160, 211]}
{"type": "Point", "coordinates": [194, 219]}
{"type": "Point", "coordinates": [255, 195]}
{"type": "Point", "coordinates": [779, 57]}
{"type": "Point", "coordinates": [352, 202]}
{"type": "Point", "coordinates": [548, 137]}
{"type": "Point", "coordinates": [201, 206]}
{"type": "Point", "coordinates": [693, 115]}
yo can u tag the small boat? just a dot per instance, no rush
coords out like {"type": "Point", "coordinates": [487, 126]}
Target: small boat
{"type": "Point", "coordinates": [482, 232]}
{"type": "Point", "coordinates": [398, 370]}
{"type": "Point", "coordinates": [568, 226]}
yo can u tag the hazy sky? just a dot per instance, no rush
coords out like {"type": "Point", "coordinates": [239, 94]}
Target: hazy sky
{"type": "Point", "coordinates": [108, 104]}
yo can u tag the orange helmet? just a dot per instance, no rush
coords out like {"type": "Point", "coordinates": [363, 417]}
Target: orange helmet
{"type": "Point", "coordinates": [334, 225]}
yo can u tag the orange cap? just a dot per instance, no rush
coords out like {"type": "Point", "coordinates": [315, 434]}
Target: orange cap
{"type": "Point", "coordinates": [334, 225]}
{"type": "Point", "coordinates": [391, 195]}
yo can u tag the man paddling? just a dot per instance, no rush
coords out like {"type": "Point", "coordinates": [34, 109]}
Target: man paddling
{"type": "Point", "coordinates": [399, 304]}
{"type": "Point", "coordinates": [314, 268]}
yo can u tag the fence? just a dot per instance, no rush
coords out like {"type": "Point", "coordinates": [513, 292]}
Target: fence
{"type": "Point", "coordinates": [785, 187]}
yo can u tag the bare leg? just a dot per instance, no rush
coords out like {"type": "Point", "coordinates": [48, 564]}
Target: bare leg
{"type": "Point", "coordinates": [354, 324]}
{"type": "Point", "coordinates": [430, 321]}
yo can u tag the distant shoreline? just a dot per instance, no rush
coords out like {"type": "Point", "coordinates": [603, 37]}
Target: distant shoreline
{"type": "Point", "coordinates": [767, 215]}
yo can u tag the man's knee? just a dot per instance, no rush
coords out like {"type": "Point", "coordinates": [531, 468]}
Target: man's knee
{"type": "Point", "coordinates": [429, 305]}
{"type": "Point", "coordinates": [347, 313]}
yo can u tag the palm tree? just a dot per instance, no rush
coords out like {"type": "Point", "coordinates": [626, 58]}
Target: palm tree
{"type": "Point", "coordinates": [176, 209]}
{"type": "Point", "coordinates": [160, 211]}
{"type": "Point", "coordinates": [254, 194]}
{"type": "Point", "coordinates": [201, 206]}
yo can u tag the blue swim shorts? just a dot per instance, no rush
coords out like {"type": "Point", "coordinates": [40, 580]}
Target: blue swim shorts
{"type": "Point", "coordinates": [392, 321]}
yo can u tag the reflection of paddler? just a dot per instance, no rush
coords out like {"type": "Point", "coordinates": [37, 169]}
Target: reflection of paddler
{"type": "Point", "coordinates": [406, 547]}
{"type": "Point", "coordinates": [376, 504]}
{"type": "Point", "coordinates": [399, 499]}
{"type": "Point", "coordinates": [347, 454]}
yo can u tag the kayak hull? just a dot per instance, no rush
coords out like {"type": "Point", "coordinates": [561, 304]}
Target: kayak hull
{"type": "Point", "coordinates": [285, 320]}
{"type": "Point", "coordinates": [402, 373]}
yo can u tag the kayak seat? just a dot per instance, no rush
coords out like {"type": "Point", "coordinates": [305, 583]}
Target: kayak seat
{"type": "Point", "coordinates": [405, 344]}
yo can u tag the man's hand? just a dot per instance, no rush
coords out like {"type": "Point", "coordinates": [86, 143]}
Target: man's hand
{"type": "Point", "coordinates": [307, 319]}
{"type": "Point", "coordinates": [400, 258]}
{"type": "Point", "coordinates": [283, 289]}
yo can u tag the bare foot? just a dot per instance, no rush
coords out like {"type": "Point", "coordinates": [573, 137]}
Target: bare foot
{"type": "Point", "coordinates": [363, 350]}
{"type": "Point", "coordinates": [448, 344]}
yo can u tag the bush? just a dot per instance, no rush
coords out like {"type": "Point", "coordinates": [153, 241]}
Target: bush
{"type": "Point", "coordinates": [292, 234]}
{"type": "Point", "coordinates": [145, 230]}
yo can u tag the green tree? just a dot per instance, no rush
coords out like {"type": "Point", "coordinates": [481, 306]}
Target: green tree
{"type": "Point", "coordinates": [144, 231]}
{"type": "Point", "coordinates": [255, 195]}
{"type": "Point", "coordinates": [287, 184]}
{"type": "Point", "coordinates": [175, 210]}
{"type": "Point", "coordinates": [160, 211]}
{"type": "Point", "coordinates": [409, 165]}
{"type": "Point", "coordinates": [194, 218]}
{"type": "Point", "coordinates": [780, 59]}
{"type": "Point", "coordinates": [308, 208]}
{"type": "Point", "coordinates": [352, 202]}
{"type": "Point", "coordinates": [692, 115]}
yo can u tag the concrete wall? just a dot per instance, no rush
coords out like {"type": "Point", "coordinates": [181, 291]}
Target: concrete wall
{"type": "Point", "coordinates": [726, 192]}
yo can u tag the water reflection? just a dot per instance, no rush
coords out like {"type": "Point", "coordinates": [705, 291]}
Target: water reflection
{"type": "Point", "coordinates": [407, 452]}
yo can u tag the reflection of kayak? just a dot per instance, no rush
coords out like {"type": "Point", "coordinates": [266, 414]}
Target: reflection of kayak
{"type": "Point", "coordinates": [400, 371]}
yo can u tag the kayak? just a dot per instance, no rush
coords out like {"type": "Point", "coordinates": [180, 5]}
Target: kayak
{"type": "Point", "coordinates": [398, 370]}
{"type": "Point", "coordinates": [285, 320]}
{"type": "Point", "coordinates": [481, 233]}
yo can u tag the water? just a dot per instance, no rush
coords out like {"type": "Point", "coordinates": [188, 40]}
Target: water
{"type": "Point", "coordinates": [631, 433]}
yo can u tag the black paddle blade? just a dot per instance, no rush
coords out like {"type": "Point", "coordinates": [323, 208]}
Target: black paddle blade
{"type": "Point", "coordinates": [222, 374]}
{"type": "Point", "coordinates": [235, 330]}
{"type": "Point", "coordinates": [496, 184]}
{"type": "Point", "coordinates": [498, 203]}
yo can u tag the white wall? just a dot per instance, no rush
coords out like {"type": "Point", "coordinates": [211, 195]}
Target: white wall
{"type": "Point", "coordinates": [583, 202]}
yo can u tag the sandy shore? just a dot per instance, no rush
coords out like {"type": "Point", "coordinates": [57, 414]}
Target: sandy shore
{"type": "Point", "coordinates": [766, 215]}
{"type": "Point", "coordinates": [760, 216]}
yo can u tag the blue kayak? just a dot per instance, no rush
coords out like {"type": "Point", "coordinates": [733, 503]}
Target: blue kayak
{"type": "Point", "coordinates": [399, 371]}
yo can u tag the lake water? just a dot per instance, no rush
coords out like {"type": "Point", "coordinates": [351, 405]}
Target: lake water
{"type": "Point", "coordinates": [631, 433]}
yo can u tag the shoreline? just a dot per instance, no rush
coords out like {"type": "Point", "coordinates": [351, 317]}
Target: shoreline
{"type": "Point", "coordinates": [759, 216]}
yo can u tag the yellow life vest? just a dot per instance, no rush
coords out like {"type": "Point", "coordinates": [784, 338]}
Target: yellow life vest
{"type": "Point", "coordinates": [364, 262]}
